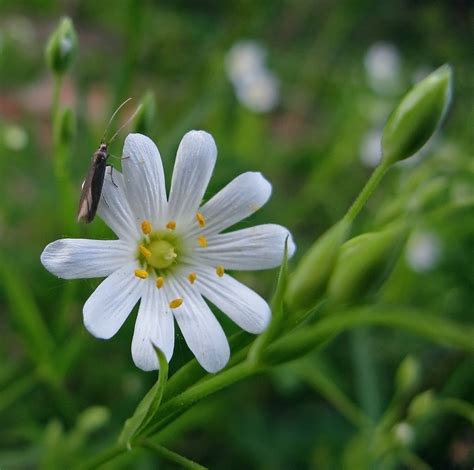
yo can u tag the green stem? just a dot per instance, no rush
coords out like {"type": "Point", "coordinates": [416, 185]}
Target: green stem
{"type": "Point", "coordinates": [366, 377]}
{"type": "Point", "coordinates": [180, 403]}
{"type": "Point", "coordinates": [171, 456]}
{"type": "Point", "coordinates": [368, 189]}
{"type": "Point", "coordinates": [57, 83]}
{"type": "Point", "coordinates": [310, 372]}
{"type": "Point", "coordinates": [104, 457]}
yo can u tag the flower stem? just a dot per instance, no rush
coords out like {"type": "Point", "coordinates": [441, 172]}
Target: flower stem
{"type": "Point", "coordinates": [171, 456]}
{"type": "Point", "coordinates": [104, 457]}
{"type": "Point", "coordinates": [368, 189]}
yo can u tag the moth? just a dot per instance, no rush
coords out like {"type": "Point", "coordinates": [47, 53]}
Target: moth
{"type": "Point", "coordinates": [92, 187]}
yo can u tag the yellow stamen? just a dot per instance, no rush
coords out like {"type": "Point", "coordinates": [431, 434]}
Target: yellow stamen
{"type": "Point", "coordinates": [141, 273]}
{"type": "Point", "coordinates": [176, 303]}
{"type": "Point", "coordinates": [192, 278]}
{"type": "Point", "coordinates": [202, 241]}
{"type": "Point", "coordinates": [201, 220]}
{"type": "Point", "coordinates": [171, 225]}
{"type": "Point", "coordinates": [144, 251]}
{"type": "Point", "coordinates": [146, 227]}
{"type": "Point", "coordinates": [159, 282]}
{"type": "Point", "coordinates": [220, 270]}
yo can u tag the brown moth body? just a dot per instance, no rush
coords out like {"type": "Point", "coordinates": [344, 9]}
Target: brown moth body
{"type": "Point", "coordinates": [92, 186]}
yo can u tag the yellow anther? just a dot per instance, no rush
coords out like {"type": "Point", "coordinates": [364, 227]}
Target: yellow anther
{"type": "Point", "coordinates": [144, 251]}
{"type": "Point", "coordinates": [192, 278]}
{"type": "Point", "coordinates": [141, 273]}
{"type": "Point", "coordinates": [160, 282]}
{"type": "Point", "coordinates": [171, 225]}
{"type": "Point", "coordinates": [146, 227]}
{"type": "Point", "coordinates": [201, 220]}
{"type": "Point", "coordinates": [176, 303]}
{"type": "Point", "coordinates": [220, 270]}
{"type": "Point", "coordinates": [202, 241]}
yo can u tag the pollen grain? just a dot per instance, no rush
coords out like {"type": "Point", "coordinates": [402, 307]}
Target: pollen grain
{"type": "Point", "coordinates": [176, 303]}
{"type": "Point", "coordinates": [192, 277]}
{"type": "Point", "coordinates": [202, 241]}
{"type": "Point", "coordinates": [144, 251]}
{"type": "Point", "coordinates": [201, 220]}
{"type": "Point", "coordinates": [171, 225]}
{"type": "Point", "coordinates": [160, 282]}
{"type": "Point", "coordinates": [220, 270]}
{"type": "Point", "coordinates": [146, 227]}
{"type": "Point", "coordinates": [141, 273]}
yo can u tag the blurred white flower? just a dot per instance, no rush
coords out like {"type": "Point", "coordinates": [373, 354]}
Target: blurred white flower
{"type": "Point", "coordinates": [15, 137]}
{"type": "Point", "coordinates": [423, 251]}
{"type": "Point", "coordinates": [244, 59]}
{"type": "Point", "coordinates": [171, 253]}
{"type": "Point", "coordinates": [255, 85]}
{"type": "Point", "coordinates": [383, 67]}
{"type": "Point", "coordinates": [260, 94]}
{"type": "Point", "coordinates": [370, 151]}
{"type": "Point", "coordinates": [404, 433]}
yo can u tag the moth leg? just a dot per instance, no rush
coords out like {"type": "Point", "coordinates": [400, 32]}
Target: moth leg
{"type": "Point", "coordinates": [105, 201]}
{"type": "Point", "coordinates": [111, 176]}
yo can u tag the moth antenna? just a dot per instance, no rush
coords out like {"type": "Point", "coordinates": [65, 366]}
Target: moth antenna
{"type": "Point", "coordinates": [112, 117]}
{"type": "Point", "coordinates": [128, 121]}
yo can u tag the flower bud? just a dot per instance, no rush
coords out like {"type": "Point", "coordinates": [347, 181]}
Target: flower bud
{"type": "Point", "coordinates": [93, 418]}
{"type": "Point", "coordinates": [417, 116]}
{"type": "Point", "coordinates": [310, 278]}
{"type": "Point", "coordinates": [363, 264]}
{"type": "Point", "coordinates": [67, 126]}
{"type": "Point", "coordinates": [62, 47]}
{"type": "Point", "coordinates": [145, 116]}
{"type": "Point", "coordinates": [422, 405]}
{"type": "Point", "coordinates": [408, 375]}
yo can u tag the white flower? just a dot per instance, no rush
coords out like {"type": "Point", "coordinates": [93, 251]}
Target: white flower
{"type": "Point", "coordinates": [423, 251]}
{"type": "Point", "coordinates": [370, 150]}
{"type": "Point", "coordinates": [383, 67]}
{"type": "Point", "coordinates": [255, 86]}
{"type": "Point", "coordinates": [171, 253]}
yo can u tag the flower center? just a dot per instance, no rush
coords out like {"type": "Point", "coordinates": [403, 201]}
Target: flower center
{"type": "Point", "coordinates": [162, 254]}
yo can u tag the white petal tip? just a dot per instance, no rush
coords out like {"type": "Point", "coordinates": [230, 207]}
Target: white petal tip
{"type": "Point", "coordinates": [201, 143]}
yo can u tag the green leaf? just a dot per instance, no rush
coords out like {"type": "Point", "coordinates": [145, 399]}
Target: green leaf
{"type": "Point", "coordinates": [149, 405]}
{"type": "Point", "coordinates": [275, 325]}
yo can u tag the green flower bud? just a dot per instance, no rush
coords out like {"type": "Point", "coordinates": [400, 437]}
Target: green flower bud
{"type": "Point", "coordinates": [311, 276]}
{"type": "Point", "coordinates": [422, 405]}
{"type": "Point", "coordinates": [417, 116]}
{"type": "Point", "coordinates": [145, 116]}
{"type": "Point", "coordinates": [363, 264]}
{"type": "Point", "coordinates": [62, 47]}
{"type": "Point", "coordinates": [92, 419]}
{"type": "Point", "coordinates": [67, 126]}
{"type": "Point", "coordinates": [408, 375]}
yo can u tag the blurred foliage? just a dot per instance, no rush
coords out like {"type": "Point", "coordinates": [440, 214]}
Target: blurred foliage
{"type": "Point", "coordinates": [64, 394]}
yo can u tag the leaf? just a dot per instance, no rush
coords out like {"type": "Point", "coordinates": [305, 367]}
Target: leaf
{"type": "Point", "coordinates": [149, 405]}
{"type": "Point", "coordinates": [277, 311]}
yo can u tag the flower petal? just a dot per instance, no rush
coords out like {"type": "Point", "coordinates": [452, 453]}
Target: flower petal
{"type": "Point", "coordinates": [193, 168]}
{"type": "Point", "coordinates": [114, 209]}
{"type": "Point", "coordinates": [200, 328]}
{"type": "Point", "coordinates": [241, 304]}
{"type": "Point", "coordinates": [75, 258]}
{"type": "Point", "coordinates": [144, 179]}
{"type": "Point", "coordinates": [113, 300]}
{"type": "Point", "coordinates": [259, 247]}
{"type": "Point", "coordinates": [239, 199]}
{"type": "Point", "coordinates": [154, 324]}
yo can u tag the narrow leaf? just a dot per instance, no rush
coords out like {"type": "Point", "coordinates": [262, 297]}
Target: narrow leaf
{"type": "Point", "coordinates": [275, 325]}
{"type": "Point", "coordinates": [149, 405]}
